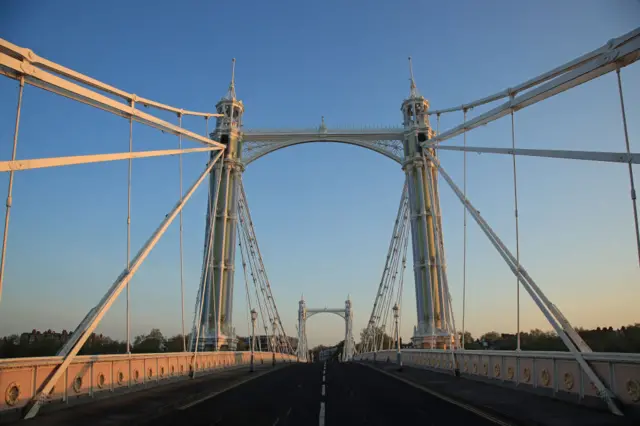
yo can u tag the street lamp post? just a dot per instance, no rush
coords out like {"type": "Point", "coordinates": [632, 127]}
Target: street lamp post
{"type": "Point", "coordinates": [254, 316]}
{"type": "Point", "coordinates": [398, 353]}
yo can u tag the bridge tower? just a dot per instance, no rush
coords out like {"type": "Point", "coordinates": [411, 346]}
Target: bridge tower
{"type": "Point", "coordinates": [302, 350]}
{"type": "Point", "coordinates": [432, 329]}
{"type": "Point", "coordinates": [216, 284]}
{"type": "Point", "coordinates": [349, 348]}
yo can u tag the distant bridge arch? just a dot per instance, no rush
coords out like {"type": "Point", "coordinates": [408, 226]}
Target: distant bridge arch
{"type": "Point", "coordinates": [345, 313]}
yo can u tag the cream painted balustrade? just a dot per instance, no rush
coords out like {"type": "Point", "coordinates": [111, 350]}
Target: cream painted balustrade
{"type": "Point", "coordinates": [554, 373]}
{"type": "Point", "coordinates": [20, 378]}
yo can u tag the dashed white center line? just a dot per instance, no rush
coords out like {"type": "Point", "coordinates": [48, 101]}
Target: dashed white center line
{"type": "Point", "coordinates": [321, 415]}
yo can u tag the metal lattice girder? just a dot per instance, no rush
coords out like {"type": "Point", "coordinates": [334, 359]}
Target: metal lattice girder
{"type": "Point", "coordinates": [338, 311]}
{"type": "Point", "coordinates": [576, 345]}
{"type": "Point", "coordinates": [618, 53]}
{"type": "Point", "coordinates": [95, 315]}
{"type": "Point", "coordinates": [387, 142]}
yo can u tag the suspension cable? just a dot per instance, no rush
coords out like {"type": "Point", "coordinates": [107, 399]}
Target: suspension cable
{"type": "Point", "coordinates": [631, 180]}
{"type": "Point", "coordinates": [209, 225]}
{"type": "Point", "coordinates": [247, 247]}
{"type": "Point", "coordinates": [464, 237]}
{"type": "Point", "coordinates": [401, 286]}
{"type": "Point", "coordinates": [390, 285]}
{"type": "Point", "coordinates": [261, 279]}
{"type": "Point", "coordinates": [246, 287]}
{"type": "Point", "coordinates": [206, 273]}
{"type": "Point", "coordinates": [128, 320]}
{"type": "Point", "coordinates": [380, 291]}
{"type": "Point", "coordinates": [449, 318]}
{"type": "Point", "coordinates": [9, 199]}
{"type": "Point", "coordinates": [515, 200]}
{"type": "Point", "coordinates": [184, 338]}
{"type": "Point", "coordinates": [267, 286]}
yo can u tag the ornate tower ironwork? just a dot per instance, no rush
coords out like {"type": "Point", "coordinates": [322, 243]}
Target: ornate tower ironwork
{"type": "Point", "coordinates": [216, 285]}
{"type": "Point", "coordinates": [432, 329]}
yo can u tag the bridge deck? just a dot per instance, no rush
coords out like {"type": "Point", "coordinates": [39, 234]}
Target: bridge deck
{"type": "Point", "coordinates": [353, 395]}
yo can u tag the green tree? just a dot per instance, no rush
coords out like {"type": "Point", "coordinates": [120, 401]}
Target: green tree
{"type": "Point", "coordinates": [175, 343]}
{"type": "Point", "coordinates": [382, 339]}
{"type": "Point", "coordinates": [149, 343]}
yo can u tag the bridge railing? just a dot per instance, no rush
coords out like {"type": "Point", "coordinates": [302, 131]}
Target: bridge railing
{"type": "Point", "coordinates": [553, 373]}
{"type": "Point", "coordinates": [89, 375]}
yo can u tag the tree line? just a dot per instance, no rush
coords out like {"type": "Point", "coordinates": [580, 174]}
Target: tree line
{"type": "Point", "coordinates": [600, 339]}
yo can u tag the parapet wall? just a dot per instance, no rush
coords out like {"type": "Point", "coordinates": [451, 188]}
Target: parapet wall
{"type": "Point", "coordinates": [555, 374]}
{"type": "Point", "coordinates": [20, 378]}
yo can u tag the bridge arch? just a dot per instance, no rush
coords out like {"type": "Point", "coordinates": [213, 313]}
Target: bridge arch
{"type": "Point", "coordinates": [346, 313]}
{"type": "Point", "coordinates": [339, 312]}
{"type": "Point", "coordinates": [388, 149]}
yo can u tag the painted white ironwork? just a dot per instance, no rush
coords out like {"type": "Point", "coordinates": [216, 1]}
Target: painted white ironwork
{"type": "Point", "coordinates": [255, 146]}
{"type": "Point", "coordinates": [413, 146]}
{"type": "Point", "coordinates": [91, 321]}
{"type": "Point", "coordinates": [561, 325]}
{"type": "Point", "coordinates": [617, 53]}
{"type": "Point", "coordinates": [346, 313]}
{"type": "Point", "coordinates": [392, 277]}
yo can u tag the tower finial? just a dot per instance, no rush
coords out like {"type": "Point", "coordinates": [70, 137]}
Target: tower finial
{"type": "Point", "coordinates": [323, 127]}
{"type": "Point", "coordinates": [413, 90]}
{"type": "Point", "coordinates": [231, 94]}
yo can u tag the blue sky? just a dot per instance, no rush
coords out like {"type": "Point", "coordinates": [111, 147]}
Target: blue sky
{"type": "Point", "coordinates": [323, 212]}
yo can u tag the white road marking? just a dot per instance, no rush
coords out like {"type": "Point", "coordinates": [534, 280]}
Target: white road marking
{"type": "Point", "coordinates": [321, 415]}
{"type": "Point", "coordinates": [276, 422]}
{"type": "Point", "coordinates": [235, 385]}
{"type": "Point", "coordinates": [445, 398]}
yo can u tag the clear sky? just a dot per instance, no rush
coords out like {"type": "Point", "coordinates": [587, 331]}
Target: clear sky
{"type": "Point", "coordinates": [323, 212]}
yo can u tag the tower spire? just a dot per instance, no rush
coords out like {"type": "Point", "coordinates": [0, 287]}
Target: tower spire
{"type": "Point", "coordinates": [413, 89]}
{"type": "Point", "coordinates": [231, 94]}
{"type": "Point", "coordinates": [323, 127]}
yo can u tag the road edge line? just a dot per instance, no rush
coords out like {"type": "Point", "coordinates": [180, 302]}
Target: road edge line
{"type": "Point", "coordinates": [214, 394]}
{"type": "Point", "coordinates": [450, 400]}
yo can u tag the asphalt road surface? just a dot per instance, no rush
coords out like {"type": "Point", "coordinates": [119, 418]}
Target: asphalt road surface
{"type": "Point", "coordinates": [321, 394]}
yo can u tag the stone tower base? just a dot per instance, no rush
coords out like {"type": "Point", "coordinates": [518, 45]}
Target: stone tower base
{"type": "Point", "coordinates": [436, 341]}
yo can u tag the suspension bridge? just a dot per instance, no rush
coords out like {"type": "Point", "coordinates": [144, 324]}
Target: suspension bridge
{"type": "Point", "coordinates": [377, 382]}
